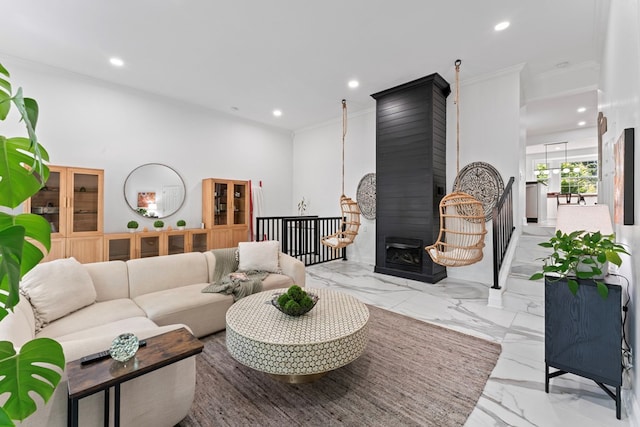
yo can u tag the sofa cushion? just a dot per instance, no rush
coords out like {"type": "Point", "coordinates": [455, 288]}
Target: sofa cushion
{"type": "Point", "coordinates": [262, 256]}
{"type": "Point", "coordinates": [147, 275]}
{"type": "Point", "coordinates": [100, 313]}
{"type": "Point", "coordinates": [110, 278]}
{"type": "Point", "coordinates": [204, 313]}
{"type": "Point", "coordinates": [57, 288]}
{"type": "Point", "coordinates": [109, 331]}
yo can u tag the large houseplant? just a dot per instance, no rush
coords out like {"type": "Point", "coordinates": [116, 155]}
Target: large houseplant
{"type": "Point", "coordinates": [580, 255]}
{"type": "Point", "coordinates": [24, 241]}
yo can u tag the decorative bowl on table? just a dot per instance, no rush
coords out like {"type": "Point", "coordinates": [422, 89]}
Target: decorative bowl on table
{"type": "Point", "coordinates": [294, 302]}
{"type": "Point", "coordinates": [124, 347]}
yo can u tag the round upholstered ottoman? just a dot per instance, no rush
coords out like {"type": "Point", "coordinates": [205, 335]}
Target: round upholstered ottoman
{"type": "Point", "coordinates": [297, 349]}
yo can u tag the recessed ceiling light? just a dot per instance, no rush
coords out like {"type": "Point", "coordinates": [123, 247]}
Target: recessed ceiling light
{"type": "Point", "coordinates": [277, 113]}
{"type": "Point", "coordinates": [116, 62]}
{"type": "Point", "coordinates": [502, 26]}
{"type": "Point", "coordinates": [582, 109]}
{"type": "Point", "coordinates": [353, 84]}
{"type": "Point", "coordinates": [582, 123]}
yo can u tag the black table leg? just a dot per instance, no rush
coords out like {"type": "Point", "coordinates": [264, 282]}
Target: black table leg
{"type": "Point", "coordinates": [106, 407]}
{"type": "Point", "coordinates": [116, 407]}
{"type": "Point", "coordinates": [72, 412]}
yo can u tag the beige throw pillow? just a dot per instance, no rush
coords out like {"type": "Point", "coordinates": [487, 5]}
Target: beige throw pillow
{"type": "Point", "coordinates": [262, 256]}
{"type": "Point", "coordinates": [57, 288]}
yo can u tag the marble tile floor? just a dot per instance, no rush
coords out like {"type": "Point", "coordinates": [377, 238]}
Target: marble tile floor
{"type": "Point", "coordinates": [514, 394]}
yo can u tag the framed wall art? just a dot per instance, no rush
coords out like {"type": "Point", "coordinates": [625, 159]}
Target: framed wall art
{"type": "Point", "coordinates": [623, 189]}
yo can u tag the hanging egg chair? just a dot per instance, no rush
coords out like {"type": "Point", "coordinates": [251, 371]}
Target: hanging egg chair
{"type": "Point", "coordinates": [462, 231]}
{"type": "Point", "coordinates": [462, 218]}
{"type": "Point", "coordinates": [350, 222]}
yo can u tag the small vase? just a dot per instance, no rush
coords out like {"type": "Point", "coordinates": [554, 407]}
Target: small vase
{"type": "Point", "coordinates": [181, 227]}
{"type": "Point", "coordinates": [132, 230]}
{"type": "Point", "coordinates": [158, 228]}
{"type": "Point", "coordinates": [587, 267]}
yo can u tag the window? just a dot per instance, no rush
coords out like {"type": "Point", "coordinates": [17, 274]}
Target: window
{"type": "Point", "coordinates": [581, 177]}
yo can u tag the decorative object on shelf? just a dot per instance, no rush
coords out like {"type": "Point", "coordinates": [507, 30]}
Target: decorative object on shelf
{"type": "Point", "coordinates": [302, 207]}
{"type": "Point", "coordinates": [462, 217]}
{"type": "Point", "coordinates": [583, 245]}
{"type": "Point", "coordinates": [181, 223]}
{"type": "Point", "coordinates": [158, 224]}
{"type": "Point", "coordinates": [132, 226]}
{"type": "Point", "coordinates": [483, 182]}
{"type": "Point", "coordinates": [366, 196]}
{"type": "Point", "coordinates": [295, 302]}
{"type": "Point", "coordinates": [124, 347]}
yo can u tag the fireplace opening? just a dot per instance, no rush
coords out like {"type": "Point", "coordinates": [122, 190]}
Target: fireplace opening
{"type": "Point", "coordinates": [403, 253]}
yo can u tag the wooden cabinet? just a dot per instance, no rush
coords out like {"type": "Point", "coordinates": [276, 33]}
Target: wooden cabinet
{"type": "Point", "coordinates": [72, 202]}
{"type": "Point", "coordinates": [119, 247]}
{"type": "Point", "coordinates": [225, 210]}
{"type": "Point", "coordinates": [198, 240]}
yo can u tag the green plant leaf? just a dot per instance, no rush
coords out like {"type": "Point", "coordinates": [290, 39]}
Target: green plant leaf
{"type": "Point", "coordinates": [31, 108]}
{"type": "Point", "coordinates": [23, 172]}
{"type": "Point", "coordinates": [5, 104]}
{"type": "Point", "coordinates": [33, 370]}
{"type": "Point", "coordinates": [545, 244]}
{"type": "Point", "coordinates": [11, 246]}
{"type": "Point", "coordinates": [37, 240]}
{"type": "Point", "coordinates": [536, 276]}
{"type": "Point", "coordinates": [585, 274]}
{"type": "Point", "coordinates": [613, 257]}
{"type": "Point", "coordinates": [573, 286]}
{"type": "Point", "coordinates": [603, 290]}
{"type": "Point", "coordinates": [5, 420]}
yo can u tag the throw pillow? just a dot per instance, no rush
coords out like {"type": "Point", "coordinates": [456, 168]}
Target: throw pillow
{"type": "Point", "coordinates": [57, 288]}
{"type": "Point", "coordinates": [261, 256]}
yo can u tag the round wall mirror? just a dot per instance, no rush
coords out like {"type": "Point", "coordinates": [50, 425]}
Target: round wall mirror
{"type": "Point", "coordinates": [154, 190]}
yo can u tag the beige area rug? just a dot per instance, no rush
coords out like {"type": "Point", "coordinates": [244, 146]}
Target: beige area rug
{"type": "Point", "coordinates": [412, 373]}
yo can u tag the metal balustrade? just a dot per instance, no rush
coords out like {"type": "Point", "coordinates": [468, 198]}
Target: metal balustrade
{"type": "Point", "coordinates": [502, 229]}
{"type": "Point", "coordinates": [299, 236]}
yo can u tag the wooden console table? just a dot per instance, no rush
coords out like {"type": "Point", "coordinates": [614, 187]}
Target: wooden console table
{"type": "Point", "coordinates": [160, 351]}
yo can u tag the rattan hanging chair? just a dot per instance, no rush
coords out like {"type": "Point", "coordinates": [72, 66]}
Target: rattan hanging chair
{"type": "Point", "coordinates": [349, 225]}
{"type": "Point", "coordinates": [462, 231]}
{"type": "Point", "coordinates": [462, 219]}
{"type": "Point", "coordinates": [350, 222]}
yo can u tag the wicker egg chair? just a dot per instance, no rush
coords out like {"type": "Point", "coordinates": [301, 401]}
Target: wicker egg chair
{"type": "Point", "coordinates": [462, 231]}
{"type": "Point", "coordinates": [462, 218]}
{"type": "Point", "coordinates": [350, 222]}
{"type": "Point", "coordinates": [349, 225]}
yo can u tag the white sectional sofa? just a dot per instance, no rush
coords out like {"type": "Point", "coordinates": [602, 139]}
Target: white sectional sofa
{"type": "Point", "coordinates": [147, 297]}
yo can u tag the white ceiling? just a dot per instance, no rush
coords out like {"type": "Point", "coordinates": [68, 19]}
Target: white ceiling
{"type": "Point", "coordinates": [249, 57]}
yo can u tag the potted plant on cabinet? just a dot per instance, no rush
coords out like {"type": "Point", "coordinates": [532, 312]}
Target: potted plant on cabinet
{"type": "Point", "coordinates": [181, 223]}
{"type": "Point", "coordinates": [583, 323]}
{"type": "Point", "coordinates": [24, 241]}
{"type": "Point", "coordinates": [158, 224]}
{"type": "Point", "coordinates": [132, 226]}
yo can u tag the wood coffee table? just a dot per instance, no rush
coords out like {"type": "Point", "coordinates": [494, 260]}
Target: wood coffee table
{"type": "Point", "coordinates": [297, 349]}
{"type": "Point", "coordinates": [160, 351]}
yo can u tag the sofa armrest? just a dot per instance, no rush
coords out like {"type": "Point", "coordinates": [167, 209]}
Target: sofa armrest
{"type": "Point", "coordinates": [293, 268]}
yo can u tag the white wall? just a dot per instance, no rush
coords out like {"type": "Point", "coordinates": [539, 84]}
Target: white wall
{"type": "Point", "coordinates": [89, 123]}
{"type": "Point", "coordinates": [620, 103]}
{"type": "Point", "coordinates": [317, 171]}
{"type": "Point", "coordinates": [490, 132]}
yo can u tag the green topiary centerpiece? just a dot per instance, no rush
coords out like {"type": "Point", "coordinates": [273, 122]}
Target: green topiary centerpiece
{"type": "Point", "coordinates": [295, 302]}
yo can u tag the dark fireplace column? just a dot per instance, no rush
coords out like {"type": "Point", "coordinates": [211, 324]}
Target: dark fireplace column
{"type": "Point", "coordinates": [410, 176]}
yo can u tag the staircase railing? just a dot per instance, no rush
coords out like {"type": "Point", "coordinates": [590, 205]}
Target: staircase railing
{"type": "Point", "coordinates": [299, 236]}
{"type": "Point", "coordinates": [502, 230]}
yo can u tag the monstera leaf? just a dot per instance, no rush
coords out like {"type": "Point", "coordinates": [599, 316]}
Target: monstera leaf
{"type": "Point", "coordinates": [32, 370]}
{"type": "Point", "coordinates": [24, 240]}
{"type": "Point", "coordinates": [23, 172]}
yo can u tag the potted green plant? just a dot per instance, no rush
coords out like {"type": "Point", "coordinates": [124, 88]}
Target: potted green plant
{"type": "Point", "coordinates": [35, 368]}
{"type": "Point", "coordinates": [181, 223]}
{"type": "Point", "coordinates": [132, 226]}
{"type": "Point", "coordinates": [583, 326]}
{"type": "Point", "coordinates": [580, 255]}
{"type": "Point", "coordinates": [158, 224]}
